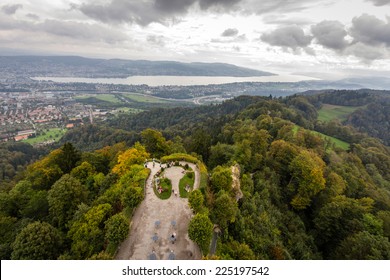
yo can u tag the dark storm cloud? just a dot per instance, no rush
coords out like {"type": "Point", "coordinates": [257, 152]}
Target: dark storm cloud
{"type": "Point", "coordinates": [173, 6]}
{"type": "Point", "coordinates": [116, 12]}
{"type": "Point", "coordinates": [330, 34]}
{"type": "Point", "coordinates": [70, 29]}
{"type": "Point", "coordinates": [370, 30]}
{"type": "Point", "coordinates": [206, 4]}
{"type": "Point", "coordinates": [230, 32]}
{"type": "Point", "coordinates": [11, 9]}
{"type": "Point", "coordinates": [289, 37]}
{"type": "Point", "coordinates": [81, 31]}
{"type": "Point", "coordinates": [279, 6]}
{"type": "Point", "coordinates": [145, 12]}
{"type": "Point", "coordinates": [379, 2]}
{"type": "Point", "coordinates": [180, 6]}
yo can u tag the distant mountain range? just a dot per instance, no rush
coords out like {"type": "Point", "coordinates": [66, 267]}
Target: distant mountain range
{"type": "Point", "coordinates": [74, 66]}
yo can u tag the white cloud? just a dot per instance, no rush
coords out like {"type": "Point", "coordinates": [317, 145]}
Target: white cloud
{"type": "Point", "coordinates": [330, 34]}
{"type": "Point", "coordinates": [371, 30]}
{"type": "Point", "coordinates": [289, 36]}
{"type": "Point", "coordinates": [379, 2]}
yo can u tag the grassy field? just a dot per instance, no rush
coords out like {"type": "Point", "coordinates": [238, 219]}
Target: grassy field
{"type": "Point", "coordinates": [330, 112]}
{"type": "Point", "coordinates": [337, 142]}
{"type": "Point", "coordinates": [50, 135]}
{"type": "Point", "coordinates": [143, 98]}
{"type": "Point", "coordinates": [188, 179]}
{"type": "Point", "coordinates": [111, 98]}
{"type": "Point", "coordinates": [167, 189]}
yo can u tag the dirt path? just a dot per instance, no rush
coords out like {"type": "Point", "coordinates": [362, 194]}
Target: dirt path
{"type": "Point", "coordinates": [173, 215]}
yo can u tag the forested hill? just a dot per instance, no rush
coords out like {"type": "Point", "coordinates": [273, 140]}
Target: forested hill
{"type": "Point", "coordinates": [372, 114]}
{"type": "Point", "coordinates": [74, 66]}
{"type": "Point", "coordinates": [352, 115]}
{"type": "Point", "coordinates": [309, 186]}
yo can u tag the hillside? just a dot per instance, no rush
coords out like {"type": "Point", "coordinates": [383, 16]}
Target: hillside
{"type": "Point", "coordinates": [73, 66]}
{"type": "Point", "coordinates": [367, 111]}
{"type": "Point", "coordinates": [301, 195]}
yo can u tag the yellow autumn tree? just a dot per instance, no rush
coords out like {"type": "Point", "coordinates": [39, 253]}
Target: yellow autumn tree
{"type": "Point", "coordinates": [307, 170]}
{"type": "Point", "coordinates": [135, 155]}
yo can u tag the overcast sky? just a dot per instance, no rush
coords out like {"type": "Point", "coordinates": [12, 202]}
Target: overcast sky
{"type": "Point", "coordinates": [324, 36]}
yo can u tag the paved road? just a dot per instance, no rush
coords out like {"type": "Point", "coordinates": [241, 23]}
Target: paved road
{"type": "Point", "coordinates": [145, 237]}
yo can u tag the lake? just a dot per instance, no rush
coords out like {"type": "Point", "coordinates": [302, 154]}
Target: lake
{"type": "Point", "coordinates": [176, 80]}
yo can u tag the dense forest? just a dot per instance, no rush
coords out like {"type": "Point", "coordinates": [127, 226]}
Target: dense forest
{"type": "Point", "coordinates": [14, 157]}
{"type": "Point", "coordinates": [299, 195]}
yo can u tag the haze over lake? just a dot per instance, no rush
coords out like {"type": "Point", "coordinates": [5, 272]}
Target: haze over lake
{"type": "Point", "coordinates": [176, 80]}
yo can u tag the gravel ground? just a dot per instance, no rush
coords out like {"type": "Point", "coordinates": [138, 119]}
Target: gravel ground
{"type": "Point", "coordinates": [145, 237]}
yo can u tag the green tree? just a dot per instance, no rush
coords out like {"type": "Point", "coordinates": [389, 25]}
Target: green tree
{"type": "Point", "coordinates": [37, 241]}
{"type": "Point", "coordinates": [64, 197]}
{"type": "Point", "coordinates": [372, 224]}
{"type": "Point", "coordinates": [17, 198]}
{"type": "Point", "coordinates": [279, 157]}
{"type": "Point", "coordinates": [225, 210]}
{"type": "Point", "coordinates": [307, 171]}
{"type": "Point", "coordinates": [134, 177]}
{"type": "Point", "coordinates": [117, 228]}
{"type": "Point", "coordinates": [68, 157]}
{"type": "Point", "coordinates": [101, 256]}
{"type": "Point", "coordinates": [199, 143]}
{"type": "Point", "coordinates": [24, 201]}
{"type": "Point", "coordinates": [113, 196]}
{"type": "Point", "coordinates": [335, 185]}
{"type": "Point", "coordinates": [339, 219]}
{"type": "Point", "coordinates": [251, 145]}
{"type": "Point", "coordinates": [220, 154]}
{"type": "Point", "coordinates": [221, 179]}
{"type": "Point", "coordinates": [8, 231]}
{"type": "Point", "coordinates": [111, 153]}
{"type": "Point", "coordinates": [132, 196]}
{"type": "Point", "coordinates": [176, 146]}
{"type": "Point", "coordinates": [37, 206]}
{"type": "Point", "coordinates": [87, 234]}
{"type": "Point", "coordinates": [237, 251]}
{"type": "Point", "coordinates": [154, 142]}
{"type": "Point", "coordinates": [247, 185]}
{"type": "Point", "coordinates": [384, 216]}
{"type": "Point", "coordinates": [363, 246]}
{"type": "Point", "coordinates": [99, 161]}
{"type": "Point", "coordinates": [200, 231]}
{"type": "Point", "coordinates": [196, 200]}
{"type": "Point", "coordinates": [45, 172]}
{"type": "Point", "coordinates": [83, 171]}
